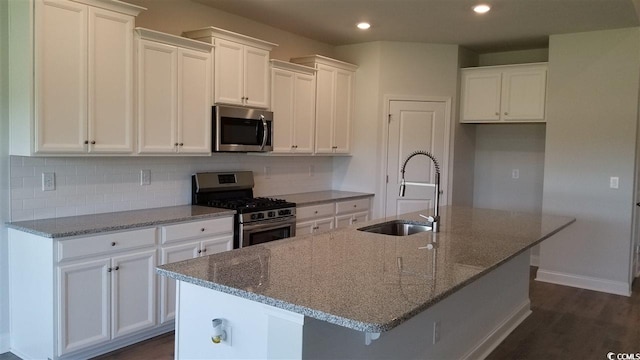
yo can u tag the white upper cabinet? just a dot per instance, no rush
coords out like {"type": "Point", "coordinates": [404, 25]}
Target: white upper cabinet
{"type": "Point", "coordinates": [293, 90]}
{"type": "Point", "coordinates": [334, 103]}
{"type": "Point", "coordinates": [174, 94]}
{"type": "Point", "coordinates": [78, 97]}
{"type": "Point", "coordinates": [512, 93]}
{"type": "Point", "coordinates": [241, 67]}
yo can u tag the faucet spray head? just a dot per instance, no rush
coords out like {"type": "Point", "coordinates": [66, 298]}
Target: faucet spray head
{"type": "Point", "coordinates": [402, 187]}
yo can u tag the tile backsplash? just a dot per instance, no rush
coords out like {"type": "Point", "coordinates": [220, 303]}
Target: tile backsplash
{"type": "Point", "coordinates": [90, 185]}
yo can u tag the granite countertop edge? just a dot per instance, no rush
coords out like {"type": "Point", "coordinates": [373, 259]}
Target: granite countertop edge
{"type": "Point", "coordinates": [116, 227]}
{"type": "Point", "coordinates": [322, 197]}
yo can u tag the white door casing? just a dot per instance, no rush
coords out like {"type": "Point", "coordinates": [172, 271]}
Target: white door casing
{"type": "Point", "coordinates": [416, 125]}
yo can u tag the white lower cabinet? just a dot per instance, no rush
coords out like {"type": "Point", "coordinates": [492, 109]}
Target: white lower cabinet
{"type": "Point", "coordinates": [106, 298]}
{"type": "Point", "coordinates": [332, 215]}
{"type": "Point", "coordinates": [82, 296]}
{"type": "Point", "coordinates": [350, 219]}
{"type": "Point", "coordinates": [188, 241]}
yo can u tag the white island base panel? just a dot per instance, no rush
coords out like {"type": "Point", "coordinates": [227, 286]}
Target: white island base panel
{"type": "Point", "coordinates": [471, 322]}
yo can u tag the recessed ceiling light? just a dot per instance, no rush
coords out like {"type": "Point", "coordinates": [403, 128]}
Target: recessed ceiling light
{"type": "Point", "coordinates": [363, 25]}
{"type": "Point", "coordinates": [482, 8]}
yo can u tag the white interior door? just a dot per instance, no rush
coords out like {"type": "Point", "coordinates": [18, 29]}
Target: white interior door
{"type": "Point", "coordinates": [415, 125]}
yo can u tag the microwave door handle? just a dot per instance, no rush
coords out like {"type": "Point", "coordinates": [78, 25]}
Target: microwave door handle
{"type": "Point", "coordinates": [265, 132]}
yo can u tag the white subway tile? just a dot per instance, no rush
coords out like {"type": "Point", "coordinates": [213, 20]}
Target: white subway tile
{"type": "Point", "coordinates": [33, 204]}
{"type": "Point", "coordinates": [22, 193]}
{"type": "Point", "coordinates": [66, 211]}
{"type": "Point", "coordinates": [44, 213]}
{"type": "Point", "coordinates": [21, 215]}
{"type": "Point", "coordinates": [22, 171]}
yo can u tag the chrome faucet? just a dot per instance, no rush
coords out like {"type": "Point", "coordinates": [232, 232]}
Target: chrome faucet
{"type": "Point", "coordinates": [435, 219]}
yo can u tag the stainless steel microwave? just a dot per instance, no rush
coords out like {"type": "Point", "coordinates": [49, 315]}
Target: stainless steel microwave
{"type": "Point", "coordinates": [242, 129]}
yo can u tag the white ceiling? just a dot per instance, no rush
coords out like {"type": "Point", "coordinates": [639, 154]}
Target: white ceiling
{"type": "Point", "coordinates": [511, 24]}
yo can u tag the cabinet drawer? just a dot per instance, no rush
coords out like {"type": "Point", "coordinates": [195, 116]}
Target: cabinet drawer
{"type": "Point", "coordinates": [345, 207]}
{"type": "Point", "coordinates": [315, 211]}
{"type": "Point", "coordinates": [100, 244]}
{"type": "Point", "coordinates": [197, 229]}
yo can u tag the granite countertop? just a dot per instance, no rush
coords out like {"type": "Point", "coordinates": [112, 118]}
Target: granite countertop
{"type": "Point", "coordinates": [319, 197]}
{"type": "Point", "coordinates": [91, 224]}
{"type": "Point", "coordinates": [353, 278]}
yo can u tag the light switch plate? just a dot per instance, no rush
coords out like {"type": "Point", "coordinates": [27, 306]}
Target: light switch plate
{"type": "Point", "coordinates": [515, 174]}
{"type": "Point", "coordinates": [614, 182]}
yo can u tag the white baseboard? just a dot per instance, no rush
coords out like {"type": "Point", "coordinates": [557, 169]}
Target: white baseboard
{"type": "Point", "coordinates": [4, 342]}
{"type": "Point", "coordinates": [535, 260]}
{"type": "Point", "coordinates": [584, 282]}
{"type": "Point", "coordinates": [495, 337]}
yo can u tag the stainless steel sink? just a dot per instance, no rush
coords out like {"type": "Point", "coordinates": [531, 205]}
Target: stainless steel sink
{"type": "Point", "coordinates": [396, 228]}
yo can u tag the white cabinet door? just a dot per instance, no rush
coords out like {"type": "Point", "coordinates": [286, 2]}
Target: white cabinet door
{"type": "Point", "coordinates": [216, 245]}
{"type": "Point", "coordinates": [157, 98]}
{"type": "Point", "coordinates": [110, 69]}
{"type": "Point", "coordinates": [229, 70]}
{"type": "Point", "coordinates": [282, 105]}
{"type": "Point", "coordinates": [304, 113]}
{"type": "Point", "coordinates": [360, 217]}
{"type": "Point", "coordinates": [133, 293]}
{"type": "Point", "coordinates": [342, 119]}
{"type": "Point", "coordinates": [256, 77]}
{"type": "Point", "coordinates": [481, 92]}
{"type": "Point", "coordinates": [83, 305]}
{"type": "Point", "coordinates": [61, 76]}
{"type": "Point", "coordinates": [523, 93]}
{"type": "Point", "coordinates": [325, 109]}
{"type": "Point", "coordinates": [305, 227]}
{"type": "Point", "coordinates": [194, 102]}
{"type": "Point", "coordinates": [168, 286]}
{"type": "Point", "coordinates": [324, 224]}
{"type": "Point", "coordinates": [343, 221]}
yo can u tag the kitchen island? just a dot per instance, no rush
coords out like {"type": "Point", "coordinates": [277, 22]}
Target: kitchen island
{"type": "Point", "coordinates": [354, 294]}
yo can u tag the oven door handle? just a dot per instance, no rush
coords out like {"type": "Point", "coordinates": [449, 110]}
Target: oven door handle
{"type": "Point", "coordinates": [265, 131]}
{"type": "Point", "coordinates": [270, 224]}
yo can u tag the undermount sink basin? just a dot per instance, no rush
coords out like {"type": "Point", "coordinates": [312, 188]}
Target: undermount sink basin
{"type": "Point", "coordinates": [396, 228]}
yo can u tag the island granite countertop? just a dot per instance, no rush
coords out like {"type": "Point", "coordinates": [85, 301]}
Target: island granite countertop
{"type": "Point", "coordinates": [122, 220]}
{"type": "Point", "coordinates": [371, 282]}
{"type": "Point", "coordinates": [320, 197]}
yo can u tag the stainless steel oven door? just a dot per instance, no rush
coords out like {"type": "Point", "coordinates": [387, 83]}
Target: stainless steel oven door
{"type": "Point", "coordinates": [267, 230]}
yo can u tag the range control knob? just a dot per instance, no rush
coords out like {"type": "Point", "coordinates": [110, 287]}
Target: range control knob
{"type": "Point", "coordinates": [260, 215]}
{"type": "Point", "coordinates": [254, 216]}
{"type": "Point", "coordinates": [271, 213]}
{"type": "Point", "coordinates": [284, 212]}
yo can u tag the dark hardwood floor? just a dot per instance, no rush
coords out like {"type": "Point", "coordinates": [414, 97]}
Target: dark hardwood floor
{"type": "Point", "coordinates": [566, 323]}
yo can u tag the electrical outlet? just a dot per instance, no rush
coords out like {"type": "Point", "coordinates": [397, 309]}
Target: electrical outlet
{"type": "Point", "coordinates": [436, 332]}
{"type": "Point", "coordinates": [515, 174]}
{"type": "Point", "coordinates": [48, 181]}
{"type": "Point", "coordinates": [614, 182]}
{"type": "Point", "coordinates": [145, 177]}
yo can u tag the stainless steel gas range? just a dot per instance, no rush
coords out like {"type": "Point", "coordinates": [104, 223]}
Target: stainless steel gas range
{"type": "Point", "coordinates": [258, 220]}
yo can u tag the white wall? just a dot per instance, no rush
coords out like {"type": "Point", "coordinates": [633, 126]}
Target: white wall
{"type": "Point", "coordinates": [4, 178]}
{"type": "Point", "coordinates": [514, 57]}
{"type": "Point", "coordinates": [389, 68]}
{"type": "Point", "coordinates": [500, 149]}
{"type": "Point", "coordinates": [591, 136]}
{"type": "Point", "coordinates": [176, 16]}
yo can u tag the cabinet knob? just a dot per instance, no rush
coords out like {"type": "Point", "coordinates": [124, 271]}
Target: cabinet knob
{"type": "Point", "coordinates": [86, 142]}
{"type": "Point", "coordinates": [117, 268]}
{"type": "Point", "coordinates": [315, 212]}
{"type": "Point", "coordinates": [93, 142]}
{"type": "Point", "coordinates": [176, 144]}
{"type": "Point", "coordinates": [202, 229]}
{"type": "Point", "coordinates": [497, 113]}
{"type": "Point", "coordinates": [316, 227]}
{"type": "Point", "coordinates": [355, 206]}
{"type": "Point", "coordinates": [113, 243]}
{"type": "Point", "coordinates": [181, 144]}
{"type": "Point", "coordinates": [506, 113]}
{"type": "Point", "coordinates": [354, 220]}
{"type": "Point", "coordinates": [204, 250]}
{"type": "Point", "coordinates": [199, 251]}
{"type": "Point", "coordinates": [109, 269]}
